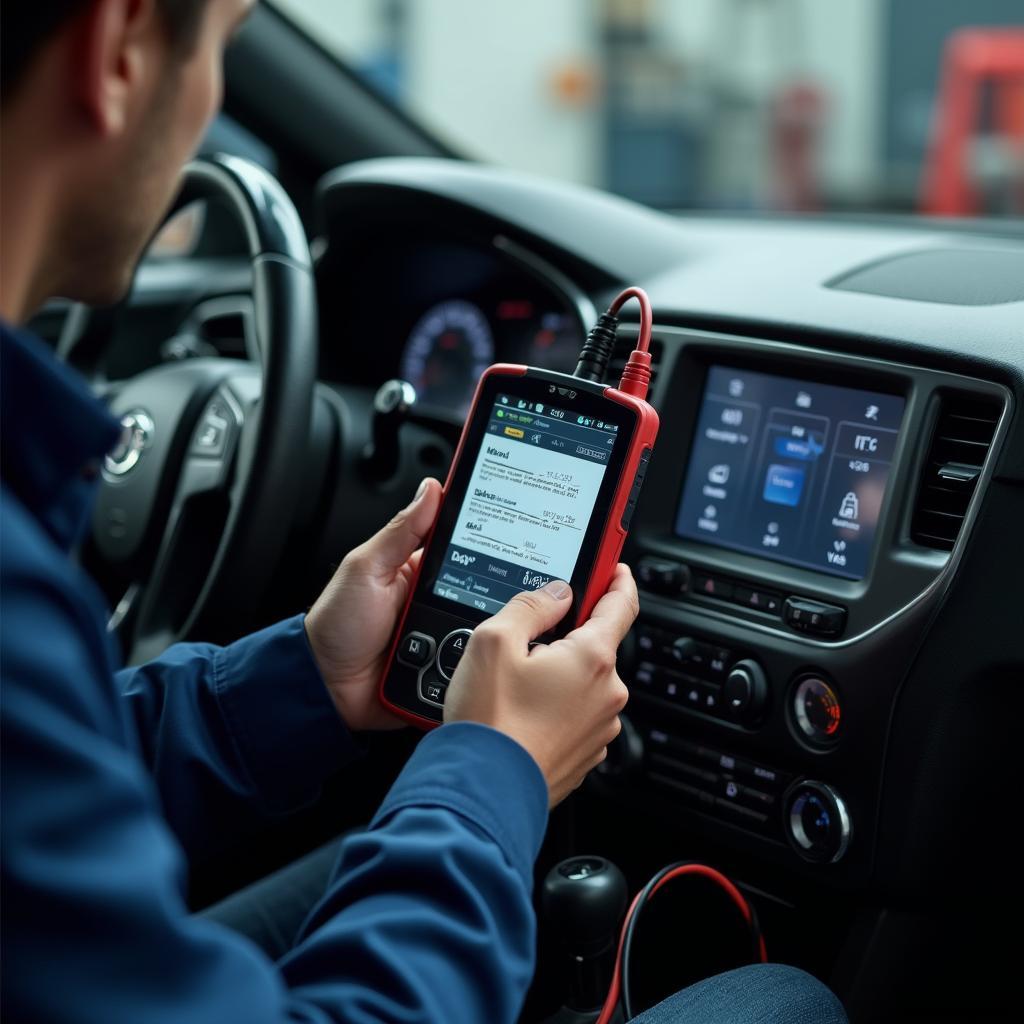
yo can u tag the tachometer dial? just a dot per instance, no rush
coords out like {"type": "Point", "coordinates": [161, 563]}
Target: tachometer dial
{"type": "Point", "coordinates": [556, 343]}
{"type": "Point", "coordinates": [448, 349]}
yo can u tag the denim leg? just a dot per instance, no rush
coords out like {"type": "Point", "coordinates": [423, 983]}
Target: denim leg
{"type": "Point", "coordinates": [271, 911]}
{"type": "Point", "coordinates": [758, 994]}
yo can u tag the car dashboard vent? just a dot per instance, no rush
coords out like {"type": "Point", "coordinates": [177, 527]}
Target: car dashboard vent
{"type": "Point", "coordinates": [961, 440]}
{"type": "Point", "coordinates": [620, 355]}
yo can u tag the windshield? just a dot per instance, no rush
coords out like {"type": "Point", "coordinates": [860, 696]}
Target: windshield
{"type": "Point", "coordinates": [739, 104]}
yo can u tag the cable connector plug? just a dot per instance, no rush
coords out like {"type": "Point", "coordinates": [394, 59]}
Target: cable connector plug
{"type": "Point", "coordinates": [597, 349]}
{"type": "Point", "coordinates": [636, 375]}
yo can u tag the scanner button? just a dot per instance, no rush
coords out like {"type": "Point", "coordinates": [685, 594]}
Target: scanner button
{"type": "Point", "coordinates": [416, 649]}
{"type": "Point", "coordinates": [450, 652]}
{"type": "Point", "coordinates": [433, 692]}
{"type": "Point", "coordinates": [627, 514]}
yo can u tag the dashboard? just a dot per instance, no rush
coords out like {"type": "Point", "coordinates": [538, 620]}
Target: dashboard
{"type": "Point", "coordinates": [437, 311]}
{"type": "Point", "coordinates": [825, 527]}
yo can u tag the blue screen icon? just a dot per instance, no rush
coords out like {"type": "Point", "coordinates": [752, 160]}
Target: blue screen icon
{"type": "Point", "coordinates": [783, 485]}
{"type": "Point", "coordinates": [798, 447]}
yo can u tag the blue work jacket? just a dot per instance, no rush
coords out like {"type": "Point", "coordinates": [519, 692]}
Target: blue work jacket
{"type": "Point", "coordinates": [113, 781]}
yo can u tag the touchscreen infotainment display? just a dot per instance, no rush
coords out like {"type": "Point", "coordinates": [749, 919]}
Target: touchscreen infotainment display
{"type": "Point", "coordinates": [790, 470]}
{"type": "Point", "coordinates": [528, 504]}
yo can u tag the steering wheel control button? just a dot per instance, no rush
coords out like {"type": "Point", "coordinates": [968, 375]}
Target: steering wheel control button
{"type": "Point", "coordinates": [814, 617]}
{"type": "Point", "coordinates": [816, 710]}
{"type": "Point", "coordinates": [450, 651]}
{"type": "Point", "coordinates": [416, 649]}
{"type": "Point", "coordinates": [212, 432]}
{"type": "Point", "coordinates": [136, 434]}
{"type": "Point", "coordinates": [817, 822]}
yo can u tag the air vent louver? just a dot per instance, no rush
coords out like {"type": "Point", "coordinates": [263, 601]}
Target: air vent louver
{"type": "Point", "coordinates": [961, 440]}
{"type": "Point", "coordinates": [620, 354]}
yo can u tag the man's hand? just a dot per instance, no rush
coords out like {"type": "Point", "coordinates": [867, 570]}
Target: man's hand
{"type": "Point", "coordinates": [560, 701]}
{"type": "Point", "coordinates": [351, 624]}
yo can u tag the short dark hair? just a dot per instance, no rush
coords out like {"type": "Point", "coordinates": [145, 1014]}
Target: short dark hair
{"type": "Point", "coordinates": [25, 26]}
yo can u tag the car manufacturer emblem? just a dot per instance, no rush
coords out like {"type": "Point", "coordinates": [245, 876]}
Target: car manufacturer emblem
{"type": "Point", "coordinates": [136, 435]}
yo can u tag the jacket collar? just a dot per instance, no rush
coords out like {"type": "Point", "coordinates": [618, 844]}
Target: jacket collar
{"type": "Point", "coordinates": [53, 431]}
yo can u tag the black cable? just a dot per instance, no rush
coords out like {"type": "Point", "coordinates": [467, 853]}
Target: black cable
{"type": "Point", "coordinates": [597, 349]}
{"type": "Point", "coordinates": [626, 946]}
{"type": "Point", "coordinates": [627, 939]}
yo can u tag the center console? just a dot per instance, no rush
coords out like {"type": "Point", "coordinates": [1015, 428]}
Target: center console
{"type": "Point", "coordinates": [802, 517]}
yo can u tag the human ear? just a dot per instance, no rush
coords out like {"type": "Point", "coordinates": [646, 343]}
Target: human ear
{"type": "Point", "coordinates": [118, 44]}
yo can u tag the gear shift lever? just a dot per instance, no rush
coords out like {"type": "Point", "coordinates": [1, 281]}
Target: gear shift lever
{"type": "Point", "coordinates": [584, 900]}
{"type": "Point", "coordinates": [391, 406]}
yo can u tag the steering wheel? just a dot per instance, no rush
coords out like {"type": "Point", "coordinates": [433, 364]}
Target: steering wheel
{"type": "Point", "coordinates": [198, 496]}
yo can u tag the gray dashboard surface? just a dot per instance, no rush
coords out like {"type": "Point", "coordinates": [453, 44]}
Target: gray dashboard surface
{"type": "Point", "coordinates": [734, 270]}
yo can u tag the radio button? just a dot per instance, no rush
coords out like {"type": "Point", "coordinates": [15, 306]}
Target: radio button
{"type": "Point", "coordinates": [644, 675]}
{"type": "Point", "coordinates": [712, 586]}
{"type": "Point", "coordinates": [450, 652]}
{"type": "Point", "coordinates": [719, 660]}
{"type": "Point", "coordinates": [814, 618]}
{"type": "Point", "coordinates": [662, 575]}
{"type": "Point", "coordinates": [758, 600]}
{"type": "Point", "coordinates": [692, 696]}
{"type": "Point", "coordinates": [710, 698]}
{"type": "Point", "coordinates": [684, 649]}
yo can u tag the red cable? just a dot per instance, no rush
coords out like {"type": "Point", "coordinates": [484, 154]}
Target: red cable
{"type": "Point", "coordinates": [646, 313]}
{"type": "Point", "coordinates": [637, 374]}
{"type": "Point", "coordinates": [612, 1000]}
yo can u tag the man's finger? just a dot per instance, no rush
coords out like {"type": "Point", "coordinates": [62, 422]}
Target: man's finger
{"type": "Point", "coordinates": [533, 612]}
{"type": "Point", "coordinates": [614, 614]}
{"type": "Point", "coordinates": [390, 548]}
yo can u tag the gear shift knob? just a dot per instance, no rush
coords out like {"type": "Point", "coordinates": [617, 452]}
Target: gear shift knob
{"type": "Point", "coordinates": [391, 406]}
{"type": "Point", "coordinates": [583, 901]}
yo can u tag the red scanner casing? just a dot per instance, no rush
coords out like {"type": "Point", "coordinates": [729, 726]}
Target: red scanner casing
{"type": "Point", "coordinates": [616, 522]}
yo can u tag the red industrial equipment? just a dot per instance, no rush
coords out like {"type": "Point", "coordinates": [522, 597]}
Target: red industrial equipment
{"type": "Point", "coordinates": [975, 59]}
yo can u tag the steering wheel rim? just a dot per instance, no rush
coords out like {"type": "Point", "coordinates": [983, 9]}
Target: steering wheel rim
{"type": "Point", "coordinates": [244, 485]}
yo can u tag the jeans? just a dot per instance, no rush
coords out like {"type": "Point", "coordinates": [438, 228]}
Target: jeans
{"type": "Point", "coordinates": [271, 912]}
{"type": "Point", "coordinates": [758, 994]}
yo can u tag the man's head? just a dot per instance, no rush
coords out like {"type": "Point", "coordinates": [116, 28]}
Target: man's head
{"type": "Point", "coordinates": [102, 103]}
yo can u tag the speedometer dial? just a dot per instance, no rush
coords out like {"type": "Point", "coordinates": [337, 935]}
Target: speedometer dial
{"type": "Point", "coordinates": [448, 349]}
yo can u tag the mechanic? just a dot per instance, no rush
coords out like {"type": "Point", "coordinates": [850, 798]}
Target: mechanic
{"type": "Point", "coordinates": [113, 781]}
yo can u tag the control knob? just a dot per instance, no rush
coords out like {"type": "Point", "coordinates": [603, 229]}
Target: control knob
{"type": "Point", "coordinates": [817, 822]}
{"type": "Point", "coordinates": [684, 648]}
{"type": "Point", "coordinates": [745, 693]}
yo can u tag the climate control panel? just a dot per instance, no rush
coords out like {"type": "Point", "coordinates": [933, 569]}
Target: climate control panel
{"type": "Point", "coordinates": [700, 677]}
{"type": "Point", "coordinates": [739, 791]}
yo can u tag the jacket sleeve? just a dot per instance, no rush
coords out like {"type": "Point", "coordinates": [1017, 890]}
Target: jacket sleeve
{"type": "Point", "coordinates": [235, 736]}
{"type": "Point", "coordinates": [427, 920]}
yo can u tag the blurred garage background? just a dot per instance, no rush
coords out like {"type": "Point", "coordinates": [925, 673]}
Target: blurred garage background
{"type": "Point", "coordinates": [840, 105]}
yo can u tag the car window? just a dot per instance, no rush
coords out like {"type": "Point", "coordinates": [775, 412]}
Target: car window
{"type": "Point", "coordinates": [778, 105]}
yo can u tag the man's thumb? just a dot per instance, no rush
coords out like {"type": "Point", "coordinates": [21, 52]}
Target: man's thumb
{"type": "Point", "coordinates": [533, 612]}
{"type": "Point", "coordinates": [391, 547]}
